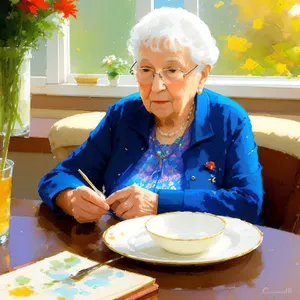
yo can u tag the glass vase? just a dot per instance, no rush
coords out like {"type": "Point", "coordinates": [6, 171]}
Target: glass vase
{"type": "Point", "coordinates": [15, 98]}
{"type": "Point", "coordinates": [5, 199]}
{"type": "Point", "coordinates": [14, 95]}
{"type": "Point", "coordinates": [22, 125]}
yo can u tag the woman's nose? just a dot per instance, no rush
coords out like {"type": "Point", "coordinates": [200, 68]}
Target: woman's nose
{"type": "Point", "coordinates": [157, 84]}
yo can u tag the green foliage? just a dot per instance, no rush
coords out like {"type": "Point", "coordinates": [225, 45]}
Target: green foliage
{"type": "Point", "coordinates": [114, 66]}
{"type": "Point", "coordinates": [21, 29]}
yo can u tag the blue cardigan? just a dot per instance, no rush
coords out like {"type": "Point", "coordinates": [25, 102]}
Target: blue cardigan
{"type": "Point", "coordinates": [221, 133]}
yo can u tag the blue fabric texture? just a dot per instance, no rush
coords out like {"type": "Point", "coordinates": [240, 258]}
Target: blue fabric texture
{"type": "Point", "coordinates": [221, 133]}
{"type": "Point", "coordinates": [152, 175]}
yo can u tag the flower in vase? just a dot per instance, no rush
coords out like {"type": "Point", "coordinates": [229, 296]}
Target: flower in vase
{"type": "Point", "coordinates": [114, 66]}
{"type": "Point", "coordinates": [68, 8]}
{"type": "Point", "coordinates": [22, 24]}
{"type": "Point", "coordinates": [32, 5]}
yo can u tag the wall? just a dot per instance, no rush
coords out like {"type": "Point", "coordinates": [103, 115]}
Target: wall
{"type": "Point", "coordinates": [28, 169]}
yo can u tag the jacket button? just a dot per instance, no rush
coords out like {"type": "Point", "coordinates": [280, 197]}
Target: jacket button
{"type": "Point", "coordinates": [193, 178]}
{"type": "Point", "coordinates": [142, 148]}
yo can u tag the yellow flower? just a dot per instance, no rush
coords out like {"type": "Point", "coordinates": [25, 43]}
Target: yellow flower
{"type": "Point", "coordinates": [261, 8]}
{"type": "Point", "coordinates": [217, 5]}
{"type": "Point", "coordinates": [281, 68]}
{"type": "Point", "coordinates": [250, 64]}
{"type": "Point", "coordinates": [281, 5]}
{"type": "Point", "coordinates": [238, 44]}
{"type": "Point", "coordinates": [297, 50]}
{"type": "Point", "coordinates": [257, 24]}
{"type": "Point", "coordinates": [249, 9]}
{"type": "Point", "coordinates": [296, 25]}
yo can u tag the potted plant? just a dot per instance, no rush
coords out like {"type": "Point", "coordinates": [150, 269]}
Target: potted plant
{"type": "Point", "coordinates": [114, 67]}
{"type": "Point", "coordinates": [22, 24]}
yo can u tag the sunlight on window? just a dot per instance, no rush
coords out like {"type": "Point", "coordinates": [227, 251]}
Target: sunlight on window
{"type": "Point", "coordinates": [102, 28]}
{"type": "Point", "coordinates": [39, 60]}
{"type": "Point", "coordinates": [255, 37]}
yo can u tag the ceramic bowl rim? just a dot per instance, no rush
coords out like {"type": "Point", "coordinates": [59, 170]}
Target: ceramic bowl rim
{"type": "Point", "coordinates": [207, 237]}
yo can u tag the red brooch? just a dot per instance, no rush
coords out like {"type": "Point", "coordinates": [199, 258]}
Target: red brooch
{"type": "Point", "coordinates": [210, 165]}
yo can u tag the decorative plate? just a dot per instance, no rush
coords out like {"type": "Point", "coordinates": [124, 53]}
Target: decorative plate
{"type": "Point", "coordinates": [130, 238]}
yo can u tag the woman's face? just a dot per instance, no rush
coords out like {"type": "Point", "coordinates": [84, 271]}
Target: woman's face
{"type": "Point", "coordinates": [169, 100]}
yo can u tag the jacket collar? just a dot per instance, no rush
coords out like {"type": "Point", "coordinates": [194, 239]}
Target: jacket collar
{"type": "Point", "coordinates": [201, 126]}
{"type": "Point", "coordinates": [143, 121]}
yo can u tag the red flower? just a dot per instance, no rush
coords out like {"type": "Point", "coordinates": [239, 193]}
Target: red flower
{"type": "Point", "coordinates": [210, 165]}
{"type": "Point", "coordinates": [67, 7]}
{"type": "Point", "coordinates": [32, 5]}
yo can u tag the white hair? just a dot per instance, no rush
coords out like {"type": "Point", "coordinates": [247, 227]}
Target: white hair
{"type": "Point", "coordinates": [174, 25]}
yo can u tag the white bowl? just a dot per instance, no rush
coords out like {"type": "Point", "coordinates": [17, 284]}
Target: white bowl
{"type": "Point", "coordinates": [185, 233]}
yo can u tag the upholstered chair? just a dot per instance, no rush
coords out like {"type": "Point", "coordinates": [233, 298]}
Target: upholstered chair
{"type": "Point", "coordinates": [278, 143]}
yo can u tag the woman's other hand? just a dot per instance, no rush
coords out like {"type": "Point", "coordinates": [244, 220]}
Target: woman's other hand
{"type": "Point", "coordinates": [132, 202]}
{"type": "Point", "coordinates": [84, 204]}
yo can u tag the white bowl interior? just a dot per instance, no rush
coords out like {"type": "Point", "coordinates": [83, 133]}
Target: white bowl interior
{"type": "Point", "coordinates": [185, 225]}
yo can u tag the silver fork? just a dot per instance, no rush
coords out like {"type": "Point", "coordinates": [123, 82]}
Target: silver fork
{"type": "Point", "coordinates": [83, 272]}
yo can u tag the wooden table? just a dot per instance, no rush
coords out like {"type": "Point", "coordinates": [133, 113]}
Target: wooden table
{"type": "Point", "coordinates": [270, 272]}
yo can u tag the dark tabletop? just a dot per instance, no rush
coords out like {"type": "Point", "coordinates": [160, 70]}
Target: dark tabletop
{"type": "Point", "coordinates": [272, 271]}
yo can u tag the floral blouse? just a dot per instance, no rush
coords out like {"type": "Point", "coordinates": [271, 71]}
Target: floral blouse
{"type": "Point", "coordinates": [153, 175]}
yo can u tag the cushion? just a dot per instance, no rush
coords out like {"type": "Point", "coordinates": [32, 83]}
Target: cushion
{"type": "Point", "coordinates": [74, 130]}
{"type": "Point", "coordinates": [278, 134]}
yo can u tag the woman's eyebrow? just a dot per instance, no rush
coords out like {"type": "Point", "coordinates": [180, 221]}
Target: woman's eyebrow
{"type": "Point", "coordinates": [173, 59]}
{"type": "Point", "coordinates": [143, 58]}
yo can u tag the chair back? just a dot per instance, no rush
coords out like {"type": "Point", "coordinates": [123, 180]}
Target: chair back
{"type": "Point", "coordinates": [278, 141]}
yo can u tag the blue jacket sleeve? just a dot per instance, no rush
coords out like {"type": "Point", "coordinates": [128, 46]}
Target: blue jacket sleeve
{"type": "Point", "coordinates": [91, 157]}
{"type": "Point", "coordinates": [241, 195]}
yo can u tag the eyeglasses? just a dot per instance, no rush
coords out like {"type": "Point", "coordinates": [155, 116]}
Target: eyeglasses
{"type": "Point", "coordinates": [168, 76]}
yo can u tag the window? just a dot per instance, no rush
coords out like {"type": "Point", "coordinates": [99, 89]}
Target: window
{"type": "Point", "coordinates": [168, 3]}
{"type": "Point", "coordinates": [97, 33]}
{"type": "Point", "coordinates": [259, 42]}
{"type": "Point", "coordinates": [39, 60]}
{"type": "Point", "coordinates": [255, 37]}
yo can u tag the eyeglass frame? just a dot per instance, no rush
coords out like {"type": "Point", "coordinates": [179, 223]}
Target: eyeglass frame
{"type": "Point", "coordinates": [158, 73]}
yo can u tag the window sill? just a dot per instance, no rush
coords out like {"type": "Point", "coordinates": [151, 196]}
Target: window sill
{"type": "Point", "coordinates": [37, 141]}
{"type": "Point", "coordinates": [234, 87]}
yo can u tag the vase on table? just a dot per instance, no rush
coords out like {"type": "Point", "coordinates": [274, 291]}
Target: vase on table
{"type": "Point", "coordinates": [14, 119]}
{"type": "Point", "coordinates": [15, 96]}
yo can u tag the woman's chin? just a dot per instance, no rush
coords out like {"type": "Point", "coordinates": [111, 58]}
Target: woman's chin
{"type": "Point", "coordinates": [161, 111]}
{"type": "Point", "coordinates": [160, 114]}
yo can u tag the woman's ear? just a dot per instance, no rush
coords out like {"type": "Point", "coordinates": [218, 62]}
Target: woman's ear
{"type": "Point", "coordinates": [204, 75]}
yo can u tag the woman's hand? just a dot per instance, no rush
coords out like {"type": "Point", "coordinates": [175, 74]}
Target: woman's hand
{"type": "Point", "coordinates": [132, 202]}
{"type": "Point", "coordinates": [83, 204]}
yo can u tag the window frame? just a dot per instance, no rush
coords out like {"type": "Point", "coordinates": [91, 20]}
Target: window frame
{"type": "Point", "coordinates": [59, 80]}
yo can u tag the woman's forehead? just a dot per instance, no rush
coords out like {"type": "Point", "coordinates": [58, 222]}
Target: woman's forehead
{"type": "Point", "coordinates": [180, 55]}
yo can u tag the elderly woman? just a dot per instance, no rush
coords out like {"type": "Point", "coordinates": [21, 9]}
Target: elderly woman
{"type": "Point", "coordinates": [174, 146]}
